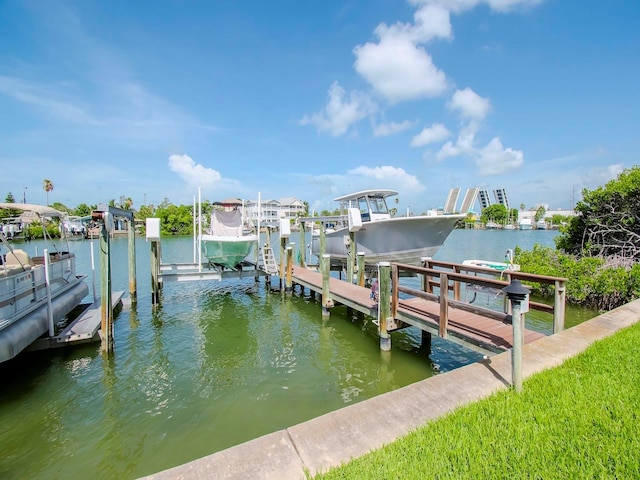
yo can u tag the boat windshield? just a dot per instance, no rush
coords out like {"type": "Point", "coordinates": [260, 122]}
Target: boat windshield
{"type": "Point", "coordinates": [378, 205]}
{"type": "Point", "coordinates": [364, 208]}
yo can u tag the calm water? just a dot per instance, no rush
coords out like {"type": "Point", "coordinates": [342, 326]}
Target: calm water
{"type": "Point", "coordinates": [216, 365]}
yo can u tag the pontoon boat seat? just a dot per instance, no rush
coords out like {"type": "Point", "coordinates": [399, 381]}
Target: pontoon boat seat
{"type": "Point", "coordinates": [17, 258]}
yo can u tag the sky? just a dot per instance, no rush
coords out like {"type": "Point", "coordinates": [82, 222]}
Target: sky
{"type": "Point", "coordinates": [316, 99]}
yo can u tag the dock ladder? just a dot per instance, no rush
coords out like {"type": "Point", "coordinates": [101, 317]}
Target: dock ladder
{"type": "Point", "coordinates": [269, 264]}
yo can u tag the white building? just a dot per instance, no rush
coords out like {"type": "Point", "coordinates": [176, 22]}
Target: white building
{"type": "Point", "coordinates": [271, 211]}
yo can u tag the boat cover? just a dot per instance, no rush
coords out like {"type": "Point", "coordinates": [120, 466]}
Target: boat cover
{"type": "Point", "coordinates": [226, 224]}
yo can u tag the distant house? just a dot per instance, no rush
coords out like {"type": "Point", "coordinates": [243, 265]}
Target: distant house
{"type": "Point", "coordinates": [271, 211]}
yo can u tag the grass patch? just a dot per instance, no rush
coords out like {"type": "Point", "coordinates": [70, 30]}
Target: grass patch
{"type": "Point", "coordinates": [578, 420]}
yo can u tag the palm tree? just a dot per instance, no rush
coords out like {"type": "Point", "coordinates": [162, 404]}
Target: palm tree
{"type": "Point", "coordinates": [47, 186]}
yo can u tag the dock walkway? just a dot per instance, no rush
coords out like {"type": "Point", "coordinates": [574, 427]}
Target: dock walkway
{"type": "Point", "coordinates": [487, 335]}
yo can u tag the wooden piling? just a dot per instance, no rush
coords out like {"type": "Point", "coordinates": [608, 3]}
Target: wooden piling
{"type": "Point", "coordinates": [302, 261]}
{"type": "Point", "coordinates": [361, 272]}
{"type": "Point", "coordinates": [444, 305]}
{"type": "Point", "coordinates": [133, 287]}
{"type": "Point", "coordinates": [288, 282]}
{"type": "Point", "coordinates": [426, 279]}
{"type": "Point", "coordinates": [106, 311]}
{"type": "Point", "coordinates": [384, 305]}
{"type": "Point", "coordinates": [155, 271]}
{"type": "Point", "coordinates": [325, 268]}
{"type": "Point", "coordinates": [283, 266]}
{"type": "Point", "coordinates": [351, 256]}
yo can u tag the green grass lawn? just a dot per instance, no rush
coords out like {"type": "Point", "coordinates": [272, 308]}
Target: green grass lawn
{"type": "Point", "coordinates": [580, 420]}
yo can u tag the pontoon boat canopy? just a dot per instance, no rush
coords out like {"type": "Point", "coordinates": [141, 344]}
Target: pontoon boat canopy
{"type": "Point", "coordinates": [28, 207]}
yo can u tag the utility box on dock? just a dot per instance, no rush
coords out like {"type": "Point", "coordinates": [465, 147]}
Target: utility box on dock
{"type": "Point", "coordinates": [285, 228]}
{"type": "Point", "coordinates": [153, 229]}
{"type": "Point", "coordinates": [355, 220]}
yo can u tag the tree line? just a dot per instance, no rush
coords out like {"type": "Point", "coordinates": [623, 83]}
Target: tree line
{"type": "Point", "coordinates": [598, 250]}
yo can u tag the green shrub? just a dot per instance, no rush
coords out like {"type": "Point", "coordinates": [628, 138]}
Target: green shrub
{"type": "Point", "coordinates": [591, 281]}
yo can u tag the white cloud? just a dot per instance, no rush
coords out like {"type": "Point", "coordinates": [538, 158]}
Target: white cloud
{"type": "Point", "coordinates": [469, 104]}
{"type": "Point", "coordinates": [391, 128]}
{"type": "Point", "coordinates": [397, 176]}
{"type": "Point", "coordinates": [339, 114]}
{"type": "Point", "coordinates": [431, 21]}
{"type": "Point", "coordinates": [494, 159]}
{"type": "Point", "coordinates": [459, 6]}
{"type": "Point", "coordinates": [434, 134]}
{"type": "Point", "coordinates": [447, 150]}
{"type": "Point", "coordinates": [398, 69]}
{"type": "Point", "coordinates": [193, 173]}
{"type": "Point", "coordinates": [600, 176]}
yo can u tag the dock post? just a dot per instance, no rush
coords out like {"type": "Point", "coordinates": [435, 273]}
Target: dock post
{"type": "Point", "coordinates": [325, 268]}
{"type": "Point", "coordinates": [301, 249]}
{"type": "Point", "coordinates": [384, 306]}
{"type": "Point", "coordinates": [444, 305]}
{"type": "Point", "coordinates": [283, 244]}
{"type": "Point", "coordinates": [361, 271]}
{"type": "Point", "coordinates": [155, 271]}
{"type": "Point", "coordinates": [426, 284]}
{"type": "Point", "coordinates": [516, 292]}
{"type": "Point", "coordinates": [288, 282]}
{"type": "Point", "coordinates": [133, 287]}
{"type": "Point", "coordinates": [106, 318]}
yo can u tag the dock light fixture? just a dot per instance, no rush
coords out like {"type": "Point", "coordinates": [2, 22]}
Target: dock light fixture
{"type": "Point", "coordinates": [517, 293]}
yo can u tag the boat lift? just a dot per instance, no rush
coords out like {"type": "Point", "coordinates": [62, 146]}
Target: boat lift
{"type": "Point", "coordinates": [196, 270]}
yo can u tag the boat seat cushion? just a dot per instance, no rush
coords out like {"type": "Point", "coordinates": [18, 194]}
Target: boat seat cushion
{"type": "Point", "coordinates": [17, 258]}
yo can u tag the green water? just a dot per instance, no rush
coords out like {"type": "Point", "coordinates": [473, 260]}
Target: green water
{"type": "Point", "coordinates": [216, 365]}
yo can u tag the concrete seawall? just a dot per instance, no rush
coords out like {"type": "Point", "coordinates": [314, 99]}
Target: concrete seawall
{"type": "Point", "coordinates": [335, 438]}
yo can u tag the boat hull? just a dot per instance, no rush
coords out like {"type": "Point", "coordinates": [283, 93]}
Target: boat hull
{"type": "Point", "coordinates": [227, 251]}
{"type": "Point", "coordinates": [401, 240]}
{"type": "Point", "coordinates": [27, 326]}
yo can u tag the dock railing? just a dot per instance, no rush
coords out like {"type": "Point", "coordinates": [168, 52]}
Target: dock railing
{"type": "Point", "coordinates": [449, 277]}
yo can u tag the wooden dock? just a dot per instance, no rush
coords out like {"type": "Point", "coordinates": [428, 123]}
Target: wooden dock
{"type": "Point", "coordinates": [474, 329]}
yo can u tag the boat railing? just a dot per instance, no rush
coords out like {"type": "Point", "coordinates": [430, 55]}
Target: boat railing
{"type": "Point", "coordinates": [450, 277]}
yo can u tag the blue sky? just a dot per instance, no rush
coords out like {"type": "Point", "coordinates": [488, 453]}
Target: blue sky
{"type": "Point", "coordinates": [151, 100]}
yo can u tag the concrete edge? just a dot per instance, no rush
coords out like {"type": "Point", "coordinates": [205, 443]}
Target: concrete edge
{"type": "Point", "coordinates": [339, 436]}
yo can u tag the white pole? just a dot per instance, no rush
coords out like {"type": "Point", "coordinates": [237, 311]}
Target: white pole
{"type": "Point", "coordinates": [93, 273]}
{"type": "Point", "coordinates": [195, 241]}
{"type": "Point", "coordinates": [48, 288]}
{"type": "Point", "coordinates": [199, 229]}
{"type": "Point", "coordinates": [259, 217]}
